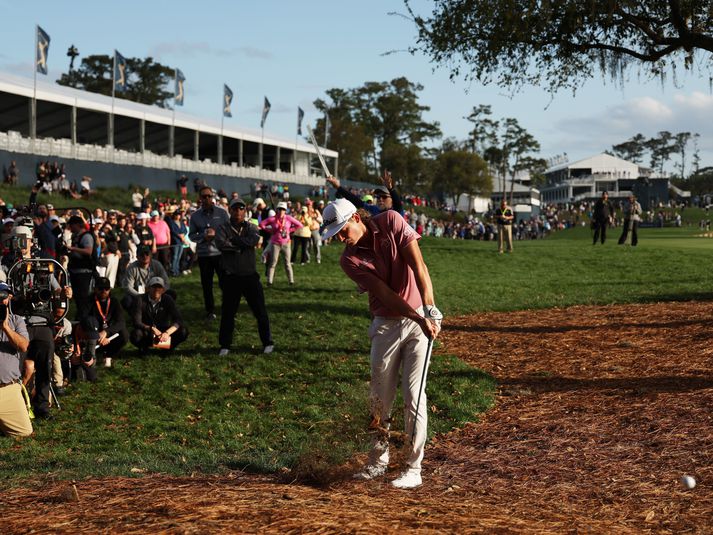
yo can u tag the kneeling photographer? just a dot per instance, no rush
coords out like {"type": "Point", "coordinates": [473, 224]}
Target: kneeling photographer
{"type": "Point", "coordinates": [14, 417]}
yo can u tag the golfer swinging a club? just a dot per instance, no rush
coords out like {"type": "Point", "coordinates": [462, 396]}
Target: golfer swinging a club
{"type": "Point", "coordinates": [383, 258]}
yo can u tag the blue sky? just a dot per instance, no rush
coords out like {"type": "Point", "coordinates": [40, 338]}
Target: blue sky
{"type": "Point", "coordinates": [292, 51]}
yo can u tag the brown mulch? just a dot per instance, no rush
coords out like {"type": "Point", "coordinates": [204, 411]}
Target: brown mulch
{"type": "Point", "coordinates": [601, 410]}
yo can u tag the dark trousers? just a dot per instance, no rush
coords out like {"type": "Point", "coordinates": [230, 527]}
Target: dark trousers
{"type": "Point", "coordinates": [41, 351]}
{"type": "Point", "coordinates": [143, 339]}
{"type": "Point", "coordinates": [634, 232]}
{"type": "Point", "coordinates": [234, 287]}
{"type": "Point", "coordinates": [163, 252]}
{"type": "Point", "coordinates": [112, 348]}
{"type": "Point", "coordinates": [209, 266]}
{"type": "Point", "coordinates": [600, 229]}
{"type": "Point", "coordinates": [82, 293]}
{"type": "Point", "coordinates": [304, 244]}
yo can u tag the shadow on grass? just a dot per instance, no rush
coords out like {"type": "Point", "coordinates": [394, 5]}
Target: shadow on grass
{"type": "Point", "coordinates": [629, 385]}
{"type": "Point", "coordinates": [545, 329]}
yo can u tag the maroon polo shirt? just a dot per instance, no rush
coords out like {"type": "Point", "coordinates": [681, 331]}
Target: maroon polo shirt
{"type": "Point", "coordinates": [382, 259]}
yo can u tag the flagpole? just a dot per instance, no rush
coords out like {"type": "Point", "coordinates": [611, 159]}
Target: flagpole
{"type": "Point", "coordinates": [33, 114]}
{"type": "Point", "coordinates": [172, 140]}
{"type": "Point", "coordinates": [262, 147]}
{"type": "Point", "coordinates": [113, 90]}
{"type": "Point", "coordinates": [222, 121]}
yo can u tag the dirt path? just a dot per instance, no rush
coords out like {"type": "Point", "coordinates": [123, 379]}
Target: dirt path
{"type": "Point", "coordinates": [601, 411]}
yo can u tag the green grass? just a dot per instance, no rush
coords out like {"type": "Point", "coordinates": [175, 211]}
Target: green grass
{"type": "Point", "coordinates": [195, 412]}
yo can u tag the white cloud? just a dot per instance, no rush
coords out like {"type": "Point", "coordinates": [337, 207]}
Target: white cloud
{"type": "Point", "coordinates": [598, 130]}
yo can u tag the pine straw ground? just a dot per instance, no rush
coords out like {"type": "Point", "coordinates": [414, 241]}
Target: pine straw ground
{"type": "Point", "coordinates": [601, 411]}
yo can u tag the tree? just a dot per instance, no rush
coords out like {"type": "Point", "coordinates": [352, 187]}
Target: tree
{"type": "Point", "coordinates": [631, 150]}
{"type": "Point", "coordinates": [380, 126]}
{"type": "Point", "coordinates": [460, 172]}
{"type": "Point", "coordinates": [660, 148]}
{"type": "Point", "coordinates": [146, 80]}
{"type": "Point", "coordinates": [556, 43]}
{"type": "Point", "coordinates": [484, 128]}
{"type": "Point", "coordinates": [680, 144]}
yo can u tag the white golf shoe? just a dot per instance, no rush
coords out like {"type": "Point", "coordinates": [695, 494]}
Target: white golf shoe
{"type": "Point", "coordinates": [410, 479]}
{"type": "Point", "coordinates": [268, 349]}
{"type": "Point", "coordinates": [223, 352]}
{"type": "Point", "coordinates": [370, 471]}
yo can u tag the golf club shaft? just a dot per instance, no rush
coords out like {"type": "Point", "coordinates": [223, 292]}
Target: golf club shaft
{"type": "Point", "coordinates": [319, 153]}
{"type": "Point", "coordinates": [420, 390]}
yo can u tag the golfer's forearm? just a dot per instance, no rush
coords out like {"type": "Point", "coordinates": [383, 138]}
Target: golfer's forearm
{"type": "Point", "coordinates": [395, 302]}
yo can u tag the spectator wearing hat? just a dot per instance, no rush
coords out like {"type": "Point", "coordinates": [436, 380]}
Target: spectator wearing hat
{"type": "Point", "coordinates": [138, 275]}
{"type": "Point", "coordinates": [162, 238]}
{"type": "Point", "coordinates": [504, 217]}
{"type": "Point", "coordinates": [383, 258]}
{"type": "Point", "coordinates": [157, 320]}
{"type": "Point", "coordinates": [386, 196]}
{"type": "Point", "coordinates": [201, 230]}
{"type": "Point", "coordinates": [107, 321]}
{"type": "Point", "coordinates": [302, 236]}
{"type": "Point", "coordinates": [280, 227]}
{"type": "Point", "coordinates": [144, 232]}
{"type": "Point", "coordinates": [632, 217]}
{"type": "Point", "coordinates": [236, 241]}
{"type": "Point", "coordinates": [14, 341]}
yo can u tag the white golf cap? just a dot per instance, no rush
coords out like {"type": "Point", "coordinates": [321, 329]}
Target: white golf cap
{"type": "Point", "coordinates": [282, 205]}
{"type": "Point", "coordinates": [336, 215]}
{"type": "Point", "coordinates": [142, 215]}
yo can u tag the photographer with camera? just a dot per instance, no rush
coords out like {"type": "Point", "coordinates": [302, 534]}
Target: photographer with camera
{"type": "Point", "coordinates": [36, 287]}
{"type": "Point", "coordinates": [157, 321]}
{"type": "Point", "coordinates": [14, 416]}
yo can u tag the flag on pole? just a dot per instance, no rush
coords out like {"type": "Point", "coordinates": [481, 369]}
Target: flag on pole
{"type": "Point", "coordinates": [119, 72]}
{"type": "Point", "coordinates": [178, 89]}
{"type": "Point", "coordinates": [43, 48]}
{"type": "Point", "coordinates": [300, 116]}
{"type": "Point", "coordinates": [227, 100]}
{"type": "Point", "coordinates": [265, 111]}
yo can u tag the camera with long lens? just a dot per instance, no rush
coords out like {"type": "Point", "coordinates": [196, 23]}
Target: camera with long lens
{"type": "Point", "coordinates": [33, 280]}
{"type": "Point", "coordinates": [4, 294]}
{"type": "Point", "coordinates": [64, 346]}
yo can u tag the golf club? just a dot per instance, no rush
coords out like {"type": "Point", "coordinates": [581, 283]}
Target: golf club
{"type": "Point", "coordinates": [319, 153]}
{"type": "Point", "coordinates": [420, 390]}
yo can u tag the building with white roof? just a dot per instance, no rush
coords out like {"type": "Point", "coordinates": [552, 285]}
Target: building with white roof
{"type": "Point", "coordinates": [75, 125]}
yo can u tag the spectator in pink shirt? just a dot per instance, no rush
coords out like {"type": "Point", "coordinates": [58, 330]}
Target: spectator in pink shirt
{"type": "Point", "coordinates": [280, 226]}
{"type": "Point", "coordinates": [162, 237]}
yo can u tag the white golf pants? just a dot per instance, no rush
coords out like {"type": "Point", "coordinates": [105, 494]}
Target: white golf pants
{"type": "Point", "coordinates": [398, 344]}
